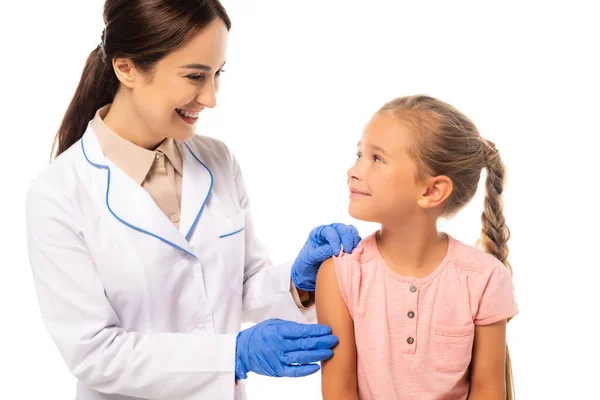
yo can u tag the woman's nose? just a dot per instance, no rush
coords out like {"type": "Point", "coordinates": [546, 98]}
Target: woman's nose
{"type": "Point", "coordinates": [208, 96]}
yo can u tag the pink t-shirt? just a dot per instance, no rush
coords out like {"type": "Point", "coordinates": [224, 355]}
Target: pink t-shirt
{"type": "Point", "coordinates": [414, 336]}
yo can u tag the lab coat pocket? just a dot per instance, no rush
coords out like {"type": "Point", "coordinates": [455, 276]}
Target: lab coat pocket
{"type": "Point", "coordinates": [232, 242]}
{"type": "Point", "coordinates": [451, 348]}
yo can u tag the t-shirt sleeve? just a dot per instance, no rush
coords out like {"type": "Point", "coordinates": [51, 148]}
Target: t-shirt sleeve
{"type": "Point", "coordinates": [498, 300]}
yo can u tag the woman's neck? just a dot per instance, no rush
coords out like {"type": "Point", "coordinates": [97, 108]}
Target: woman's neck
{"type": "Point", "coordinates": [123, 120]}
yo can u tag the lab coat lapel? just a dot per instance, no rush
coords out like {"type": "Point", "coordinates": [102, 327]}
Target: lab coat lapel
{"type": "Point", "coordinates": [196, 189]}
{"type": "Point", "coordinates": [128, 202]}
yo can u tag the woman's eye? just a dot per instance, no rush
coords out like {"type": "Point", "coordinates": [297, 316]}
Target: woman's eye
{"type": "Point", "coordinates": [196, 78]}
{"type": "Point", "coordinates": [358, 156]}
{"type": "Point", "coordinates": [219, 72]}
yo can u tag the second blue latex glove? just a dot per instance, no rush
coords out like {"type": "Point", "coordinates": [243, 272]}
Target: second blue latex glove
{"type": "Point", "coordinates": [323, 242]}
{"type": "Point", "coordinates": [282, 348]}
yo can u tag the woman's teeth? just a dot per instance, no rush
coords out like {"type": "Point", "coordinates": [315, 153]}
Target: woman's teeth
{"type": "Point", "coordinates": [187, 114]}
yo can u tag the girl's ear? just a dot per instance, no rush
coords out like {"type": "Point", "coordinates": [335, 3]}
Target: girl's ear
{"type": "Point", "coordinates": [435, 191]}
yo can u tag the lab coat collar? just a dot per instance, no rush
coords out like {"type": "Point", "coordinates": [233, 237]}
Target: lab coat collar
{"type": "Point", "coordinates": [133, 206]}
{"type": "Point", "coordinates": [197, 184]}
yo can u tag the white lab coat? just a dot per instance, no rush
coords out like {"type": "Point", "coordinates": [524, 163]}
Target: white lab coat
{"type": "Point", "coordinates": [140, 309]}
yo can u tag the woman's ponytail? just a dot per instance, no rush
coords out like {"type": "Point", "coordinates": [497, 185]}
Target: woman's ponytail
{"type": "Point", "coordinates": [97, 87]}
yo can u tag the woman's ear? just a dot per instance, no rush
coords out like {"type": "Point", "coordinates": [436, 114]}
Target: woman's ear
{"type": "Point", "coordinates": [126, 72]}
{"type": "Point", "coordinates": [435, 191]}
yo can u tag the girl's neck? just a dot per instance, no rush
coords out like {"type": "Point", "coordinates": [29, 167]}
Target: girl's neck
{"type": "Point", "coordinates": [412, 249]}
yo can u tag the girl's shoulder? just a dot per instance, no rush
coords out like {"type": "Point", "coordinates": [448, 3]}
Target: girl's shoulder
{"type": "Point", "coordinates": [362, 254]}
{"type": "Point", "coordinates": [469, 258]}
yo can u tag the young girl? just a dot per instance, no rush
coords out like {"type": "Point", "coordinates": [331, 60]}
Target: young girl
{"type": "Point", "coordinates": [420, 315]}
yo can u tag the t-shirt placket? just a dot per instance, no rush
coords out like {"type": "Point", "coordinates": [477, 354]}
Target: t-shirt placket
{"type": "Point", "coordinates": [410, 341]}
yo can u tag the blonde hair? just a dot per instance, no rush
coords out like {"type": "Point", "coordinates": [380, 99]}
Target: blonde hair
{"type": "Point", "coordinates": [446, 142]}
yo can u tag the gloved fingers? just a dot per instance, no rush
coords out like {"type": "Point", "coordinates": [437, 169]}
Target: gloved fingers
{"type": "Point", "coordinates": [321, 254]}
{"type": "Point", "coordinates": [314, 237]}
{"type": "Point", "coordinates": [357, 237]}
{"type": "Point", "coordinates": [294, 330]}
{"type": "Point", "coordinates": [332, 237]}
{"type": "Point", "coordinates": [312, 343]}
{"type": "Point", "coordinates": [306, 357]}
{"type": "Point", "coordinates": [346, 236]}
{"type": "Point", "coordinates": [298, 371]}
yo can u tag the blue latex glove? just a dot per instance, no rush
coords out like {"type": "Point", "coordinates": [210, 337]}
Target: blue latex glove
{"type": "Point", "coordinates": [275, 348]}
{"type": "Point", "coordinates": [323, 242]}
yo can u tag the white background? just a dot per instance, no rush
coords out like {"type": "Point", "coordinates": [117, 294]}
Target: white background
{"type": "Point", "coordinates": [302, 79]}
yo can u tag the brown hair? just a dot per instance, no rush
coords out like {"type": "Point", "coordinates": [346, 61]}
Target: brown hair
{"type": "Point", "coordinates": [144, 31]}
{"type": "Point", "coordinates": [448, 143]}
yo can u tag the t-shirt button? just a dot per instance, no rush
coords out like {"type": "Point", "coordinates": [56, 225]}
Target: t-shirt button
{"type": "Point", "coordinates": [411, 314]}
{"type": "Point", "coordinates": [413, 288]}
{"type": "Point", "coordinates": [175, 218]}
{"type": "Point", "coordinates": [410, 340]}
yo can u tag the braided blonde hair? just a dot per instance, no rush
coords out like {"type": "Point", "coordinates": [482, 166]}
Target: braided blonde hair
{"type": "Point", "coordinates": [448, 143]}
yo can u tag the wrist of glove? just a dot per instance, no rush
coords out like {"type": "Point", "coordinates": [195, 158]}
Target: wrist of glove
{"type": "Point", "coordinates": [240, 370]}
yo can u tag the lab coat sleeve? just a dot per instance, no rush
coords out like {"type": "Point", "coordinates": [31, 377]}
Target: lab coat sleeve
{"type": "Point", "coordinates": [267, 292]}
{"type": "Point", "coordinates": [87, 331]}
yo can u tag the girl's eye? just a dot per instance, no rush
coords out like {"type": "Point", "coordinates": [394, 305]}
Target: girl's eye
{"type": "Point", "coordinates": [219, 72]}
{"type": "Point", "coordinates": [358, 156]}
{"type": "Point", "coordinates": [377, 159]}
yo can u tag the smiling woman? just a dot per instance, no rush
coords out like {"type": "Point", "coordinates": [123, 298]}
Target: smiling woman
{"type": "Point", "coordinates": [154, 100]}
{"type": "Point", "coordinates": [158, 71]}
{"type": "Point", "coordinates": [140, 234]}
